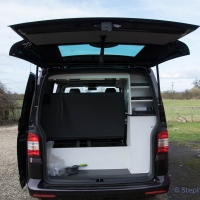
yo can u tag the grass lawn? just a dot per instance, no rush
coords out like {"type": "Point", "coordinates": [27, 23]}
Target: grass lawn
{"type": "Point", "coordinates": [189, 109]}
{"type": "Point", "coordinates": [167, 102]}
{"type": "Point", "coordinates": [184, 132]}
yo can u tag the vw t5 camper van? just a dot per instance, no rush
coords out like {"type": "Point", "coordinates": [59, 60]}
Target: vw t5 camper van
{"type": "Point", "coordinates": [93, 123]}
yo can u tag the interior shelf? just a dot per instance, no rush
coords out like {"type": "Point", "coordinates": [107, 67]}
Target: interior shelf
{"type": "Point", "coordinates": [142, 87]}
{"type": "Point", "coordinates": [142, 113]}
{"type": "Point", "coordinates": [141, 97]}
{"type": "Point", "coordinates": [139, 84]}
{"type": "Point", "coordinates": [144, 100]}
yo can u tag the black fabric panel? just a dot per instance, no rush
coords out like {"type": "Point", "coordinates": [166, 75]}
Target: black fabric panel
{"type": "Point", "coordinates": [46, 99]}
{"type": "Point", "coordinates": [85, 116]}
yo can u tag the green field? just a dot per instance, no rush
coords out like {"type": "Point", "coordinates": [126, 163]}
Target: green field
{"type": "Point", "coordinates": [189, 132]}
{"type": "Point", "coordinates": [189, 109]}
{"type": "Point", "coordinates": [184, 132]}
{"type": "Point", "coordinates": [167, 102]}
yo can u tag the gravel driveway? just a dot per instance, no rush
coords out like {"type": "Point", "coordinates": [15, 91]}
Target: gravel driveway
{"type": "Point", "coordinates": [9, 184]}
{"type": "Point", "coordinates": [184, 170]}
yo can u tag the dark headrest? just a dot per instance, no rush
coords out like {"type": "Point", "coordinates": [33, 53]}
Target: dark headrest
{"type": "Point", "coordinates": [110, 90]}
{"type": "Point", "coordinates": [75, 90]}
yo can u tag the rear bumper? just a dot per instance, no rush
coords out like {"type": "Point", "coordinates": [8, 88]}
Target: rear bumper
{"type": "Point", "coordinates": [161, 184]}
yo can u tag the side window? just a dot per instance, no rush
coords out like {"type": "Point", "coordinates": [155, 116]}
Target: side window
{"type": "Point", "coordinates": [55, 87]}
{"type": "Point", "coordinates": [67, 90]}
{"type": "Point", "coordinates": [98, 89]}
{"type": "Point", "coordinates": [73, 90]}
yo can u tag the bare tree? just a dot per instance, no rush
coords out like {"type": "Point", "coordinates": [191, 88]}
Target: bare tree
{"type": "Point", "coordinates": [196, 83]}
{"type": "Point", "coordinates": [7, 103]}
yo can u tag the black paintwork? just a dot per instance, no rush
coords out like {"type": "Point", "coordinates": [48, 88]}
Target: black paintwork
{"type": "Point", "coordinates": [22, 130]}
{"type": "Point", "coordinates": [93, 24]}
{"type": "Point", "coordinates": [34, 168]}
{"type": "Point", "coordinates": [155, 51]}
{"type": "Point", "coordinates": [100, 189]}
{"type": "Point", "coordinates": [47, 56]}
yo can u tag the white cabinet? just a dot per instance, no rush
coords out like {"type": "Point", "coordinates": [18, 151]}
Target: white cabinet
{"type": "Point", "coordinates": [139, 143]}
{"type": "Point", "coordinates": [141, 99]}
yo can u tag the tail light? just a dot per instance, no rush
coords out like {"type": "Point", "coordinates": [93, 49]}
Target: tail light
{"type": "Point", "coordinates": [163, 144]}
{"type": "Point", "coordinates": [33, 144]}
{"type": "Point", "coordinates": [156, 192]}
{"type": "Point", "coordinates": [44, 195]}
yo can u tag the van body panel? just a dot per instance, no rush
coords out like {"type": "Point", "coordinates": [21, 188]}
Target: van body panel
{"type": "Point", "coordinates": [23, 128]}
{"type": "Point", "coordinates": [119, 191]}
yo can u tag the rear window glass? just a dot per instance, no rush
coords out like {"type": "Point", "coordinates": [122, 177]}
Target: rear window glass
{"type": "Point", "coordinates": [90, 89]}
{"type": "Point", "coordinates": [86, 49]}
{"type": "Point", "coordinates": [55, 88]}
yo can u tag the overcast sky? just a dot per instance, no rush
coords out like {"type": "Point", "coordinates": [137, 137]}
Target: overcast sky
{"type": "Point", "coordinates": [181, 72]}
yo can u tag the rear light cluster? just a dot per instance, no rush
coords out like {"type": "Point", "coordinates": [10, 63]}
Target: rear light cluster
{"type": "Point", "coordinates": [156, 192]}
{"type": "Point", "coordinates": [163, 144]}
{"type": "Point", "coordinates": [44, 195]}
{"type": "Point", "coordinates": [33, 144]}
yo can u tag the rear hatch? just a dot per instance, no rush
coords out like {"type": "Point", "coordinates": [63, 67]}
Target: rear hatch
{"type": "Point", "coordinates": [158, 41]}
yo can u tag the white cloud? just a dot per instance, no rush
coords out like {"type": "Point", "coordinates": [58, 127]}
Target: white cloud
{"type": "Point", "coordinates": [16, 71]}
{"type": "Point", "coordinates": [178, 84]}
{"type": "Point", "coordinates": [180, 10]}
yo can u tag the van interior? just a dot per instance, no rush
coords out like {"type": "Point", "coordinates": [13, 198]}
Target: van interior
{"type": "Point", "coordinates": [106, 121]}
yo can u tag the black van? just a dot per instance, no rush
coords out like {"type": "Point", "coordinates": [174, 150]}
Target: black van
{"type": "Point", "coordinates": [93, 123]}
